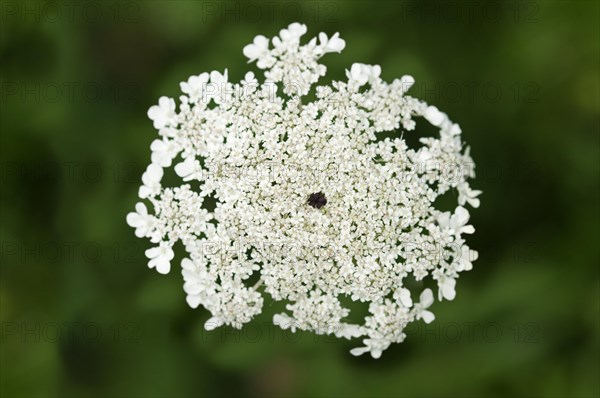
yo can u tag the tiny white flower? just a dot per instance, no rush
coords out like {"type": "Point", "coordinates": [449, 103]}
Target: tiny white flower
{"type": "Point", "coordinates": [465, 259]}
{"type": "Point", "coordinates": [362, 73]}
{"type": "Point", "coordinates": [194, 87]}
{"type": "Point", "coordinates": [284, 322]}
{"type": "Point", "coordinates": [446, 288]}
{"type": "Point", "coordinates": [373, 346]}
{"type": "Point", "coordinates": [163, 152]}
{"type": "Point", "coordinates": [160, 258]}
{"type": "Point", "coordinates": [217, 89]}
{"type": "Point", "coordinates": [249, 79]}
{"type": "Point", "coordinates": [218, 77]}
{"type": "Point", "coordinates": [193, 300]}
{"type": "Point", "coordinates": [457, 222]}
{"type": "Point", "coordinates": [333, 44]}
{"type": "Point", "coordinates": [403, 296]}
{"type": "Point", "coordinates": [348, 331]}
{"type": "Point", "coordinates": [189, 169]}
{"type": "Point", "coordinates": [466, 194]}
{"type": "Point", "coordinates": [426, 300]}
{"type": "Point", "coordinates": [293, 32]}
{"type": "Point", "coordinates": [198, 286]}
{"type": "Point", "coordinates": [140, 220]}
{"type": "Point", "coordinates": [163, 114]}
{"type": "Point", "coordinates": [460, 219]}
{"type": "Point", "coordinates": [406, 82]}
{"type": "Point", "coordinates": [434, 116]}
{"type": "Point", "coordinates": [259, 51]}
{"type": "Point", "coordinates": [213, 323]}
{"type": "Point", "coordinates": [151, 181]}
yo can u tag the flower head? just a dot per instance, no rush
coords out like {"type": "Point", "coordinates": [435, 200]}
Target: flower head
{"type": "Point", "coordinates": [305, 201]}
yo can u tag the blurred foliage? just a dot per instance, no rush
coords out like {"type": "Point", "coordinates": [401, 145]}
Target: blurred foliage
{"type": "Point", "coordinates": [83, 317]}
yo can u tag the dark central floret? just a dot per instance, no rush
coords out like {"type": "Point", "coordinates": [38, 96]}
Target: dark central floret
{"type": "Point", "coordinates": [317, 200]}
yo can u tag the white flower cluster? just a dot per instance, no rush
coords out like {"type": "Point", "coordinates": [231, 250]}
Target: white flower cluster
{"type": "Point", "coordinates": [305, 201]}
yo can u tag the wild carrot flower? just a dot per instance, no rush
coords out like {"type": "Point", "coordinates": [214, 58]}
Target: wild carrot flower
{"type": "Point", "coordinates": [291, 191]}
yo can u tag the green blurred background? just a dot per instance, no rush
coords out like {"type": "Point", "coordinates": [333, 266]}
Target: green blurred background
{"type": "Point", "coordinates": [81, 314]}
